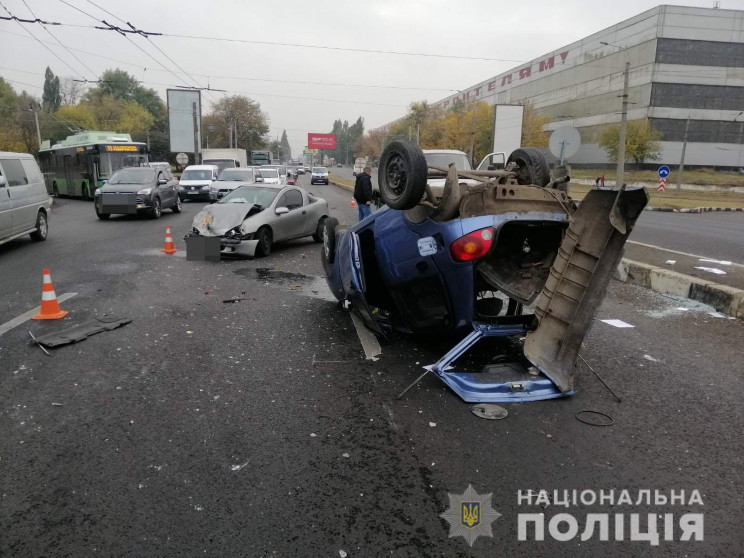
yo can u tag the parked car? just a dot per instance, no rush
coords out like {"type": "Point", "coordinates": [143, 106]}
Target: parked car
{"type": "Point", "coordinates": [135, 190]}
{"type": "Point", "coordinates": [196, 181]}
{"type": "Point", "coordinates": [24, 201]}
{"type": "Point", "coordinates": [319, 175]}
{"type": "Point", "coordinates": [252, 218]}
{"type": "Point", "coordinates": [466, 262]}
{"type": "Point", "coordinates": [231, 178]}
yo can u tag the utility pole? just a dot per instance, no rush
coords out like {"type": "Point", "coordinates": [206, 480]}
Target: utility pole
{"type": "Point", "coordinates": [684, 149]}
{"type": "Point", "coordinates": [196, 134]}
{"type": "Point", "coordinates": [623, 128]}
{"type": "Point", "coordinates": [36, 117]}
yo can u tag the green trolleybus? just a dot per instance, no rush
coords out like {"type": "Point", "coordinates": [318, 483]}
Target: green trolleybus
{"type": "Point", "coordinates": [80, 164]}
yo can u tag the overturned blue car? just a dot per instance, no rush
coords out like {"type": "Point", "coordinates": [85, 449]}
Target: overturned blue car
{"type": "Point", "coordinates": [469, 255]}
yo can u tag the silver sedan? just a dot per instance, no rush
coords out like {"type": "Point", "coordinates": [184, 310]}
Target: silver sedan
{"type": "Point", "coordinates": [251, 218]}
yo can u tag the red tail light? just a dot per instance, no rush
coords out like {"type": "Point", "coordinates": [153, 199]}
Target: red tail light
{"type": "Point", "coordinates": [472, 246]}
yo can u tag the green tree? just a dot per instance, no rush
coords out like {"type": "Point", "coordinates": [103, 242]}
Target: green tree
{"type": "Point", "coordinates": [641, 142]}
{"type": "Point", "coordinates": [533, 127]}
{"type": "Point", "coordinates": [51, 99]}
{"type": "Point", "coordinates": [285, 149]}
{"type": "Point", "coordinates": [246, 117]}
{"type": "Point", "coordinates": [117, 83]}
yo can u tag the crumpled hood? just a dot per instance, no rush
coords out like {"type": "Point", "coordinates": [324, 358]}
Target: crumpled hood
{"type": "Point", "coordinates": [218, 218]}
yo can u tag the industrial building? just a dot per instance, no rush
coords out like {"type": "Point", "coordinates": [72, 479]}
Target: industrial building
{"type": "Point", "coordinates": [685, 64]}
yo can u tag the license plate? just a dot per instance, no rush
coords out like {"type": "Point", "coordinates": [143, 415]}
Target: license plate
{"type": "Point", "coordinates": [193, 193]}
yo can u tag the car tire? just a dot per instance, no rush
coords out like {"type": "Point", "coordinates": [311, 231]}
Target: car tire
{"type": "Point", "coordinates": [532, 166]}
{"type": "Point", "coordinates": [177, 207]}
{"type": "Point", "coordinates": [328, 252]}
{"type": "Point", "coordinates": [42, 227]}
{"type": "Point", "coordinates": [265, 239]}
{"type": "Point", "coordinates": [101, 216]}
{"type": "Point", "coordinates": [402, 175]}
{"type": "Point", "coordinates": [318, 235]}
{"type": "Point", "coordinates": [156, 210]}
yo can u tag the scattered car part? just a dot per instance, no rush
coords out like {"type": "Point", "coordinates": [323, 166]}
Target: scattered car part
{"type": "Point", "coordinates": [587, 420]}
{"type": "Point", "coordinates": [605, 384]}
{"type": "Point", "coordinates": [490, 411]}
{"type": "Point", "coordinates": [79, 332]}
{"type": "Point", "coordinates": [39, 344]}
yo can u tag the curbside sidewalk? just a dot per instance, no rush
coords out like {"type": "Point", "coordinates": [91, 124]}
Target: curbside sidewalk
{"type": "Point", "coordinates": [723, 298]}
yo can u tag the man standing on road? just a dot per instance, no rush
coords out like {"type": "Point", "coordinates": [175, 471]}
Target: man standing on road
{"type": "Point", "coordinates": [363, 193]}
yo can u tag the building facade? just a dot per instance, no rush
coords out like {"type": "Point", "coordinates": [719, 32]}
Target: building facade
{"type": "Point", "coordinates": [685, 64]}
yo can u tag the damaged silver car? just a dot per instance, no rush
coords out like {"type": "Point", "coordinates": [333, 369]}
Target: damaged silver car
{"type": "Point", "coordinates": [252, 218]}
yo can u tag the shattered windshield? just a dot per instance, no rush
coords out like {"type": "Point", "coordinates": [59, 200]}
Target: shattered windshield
{"type": "Point", "coordinates": [251, 196]}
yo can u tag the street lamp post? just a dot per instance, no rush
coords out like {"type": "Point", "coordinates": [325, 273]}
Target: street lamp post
{"type": "Point", "coordinates": [623, 120]}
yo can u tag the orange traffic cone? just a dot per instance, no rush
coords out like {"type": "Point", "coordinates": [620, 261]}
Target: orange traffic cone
{"type": "Point", "coordinates": [169, 248]}
{"type": "Point", "coordinates": [353, 203]}
{"type": "Point", "coordinates": [50, 309]}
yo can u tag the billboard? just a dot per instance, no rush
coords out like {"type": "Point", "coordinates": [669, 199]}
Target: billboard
{"type": "Point", "coordinates": [184, 112]}
{"type": "Point", "coordinates": [507, 128]}
{"type": "Point", "coordinates": [321, 141]}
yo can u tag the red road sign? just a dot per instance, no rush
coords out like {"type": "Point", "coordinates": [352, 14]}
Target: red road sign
{"type": "Point", "coordinates": [662, 184]}
{"type": "Point", "coordinates": [321, 141]}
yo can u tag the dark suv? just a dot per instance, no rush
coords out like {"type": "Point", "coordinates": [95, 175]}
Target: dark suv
{"type": "Point", "coordinates": [138, 190]}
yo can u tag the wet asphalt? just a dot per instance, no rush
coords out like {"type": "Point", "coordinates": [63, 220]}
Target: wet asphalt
{"type": "Point", "coordinates": [256, 427]}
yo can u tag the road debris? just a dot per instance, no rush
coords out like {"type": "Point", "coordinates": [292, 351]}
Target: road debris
{"type": "Point", "coordinates": [232, 300]}
{"type": "Point", "coordinates": [617, 323]}
{"type": "Point", "coordinates": [605, 384]}
{"type": "Point", "coordinates": [670, 262]}
{"type": "Point", "coordinates": [57, 405]}
{"type": "Point", "coordinates": [711, 270]}
{"type": "Point", "coordinates": [238, 467]}
{"type": "Point", "coordinates": [719, 262]}
{"type": "Point", "coordinates": [81, 331]}
{"type": "Point", "coordinates": [594, 418]}
{"type": "Point", "coordinates": [649, 357]}
{"type": "Point", "coordinates": [489, 411]}
{"type": "Point", "coordinates": [432, 424]}
{"type": "Point", "coordinates": [39, 344]}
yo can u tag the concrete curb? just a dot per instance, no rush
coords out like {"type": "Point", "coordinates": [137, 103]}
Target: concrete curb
{"type": "Point", "coordinates": [723, 298]}
{"type": "Point", "coordinates": [694, 209]}
{"type": "Point", "coordinates": [344, 186]}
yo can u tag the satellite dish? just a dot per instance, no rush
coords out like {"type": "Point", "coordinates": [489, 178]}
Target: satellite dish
{"type": "Point", "coordinates": [565, 143]}
{"type": "Point", "coordinates": [182, 158]}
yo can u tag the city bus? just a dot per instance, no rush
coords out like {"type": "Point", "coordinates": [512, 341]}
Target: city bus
{"type": "Point", "coordinates": [80, 164]}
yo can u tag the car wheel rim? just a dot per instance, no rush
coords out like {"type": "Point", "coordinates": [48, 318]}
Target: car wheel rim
{"type": "Point", "coordinates": [178, 204]}
{"type": "Point", "coordinates": [157, 207]}
{"type": "Point", "coordinates": [42, 226]}
{"type": "Point", "coordinates": [396, 176]}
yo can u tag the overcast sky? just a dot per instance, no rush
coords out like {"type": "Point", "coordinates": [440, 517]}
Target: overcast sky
{"type": "Point", "coordinates": [509, 31]}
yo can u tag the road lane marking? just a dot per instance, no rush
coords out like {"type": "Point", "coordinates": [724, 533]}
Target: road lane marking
{"type": "Point", "coordinates": [368, 339]}
{"type": "Point", "coordinates": [7, 326]}
{"type": "Point", "coordinates": [675, 251]}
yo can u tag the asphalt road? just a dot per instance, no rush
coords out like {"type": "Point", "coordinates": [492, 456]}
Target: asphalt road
{"type": "Point", "coordinates": [257, 428]}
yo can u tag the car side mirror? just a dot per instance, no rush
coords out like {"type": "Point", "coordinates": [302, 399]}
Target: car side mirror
{"type": "Point", "coordinates": [282, 210]}
{"type": "Point", "coordinates": [162, 181]}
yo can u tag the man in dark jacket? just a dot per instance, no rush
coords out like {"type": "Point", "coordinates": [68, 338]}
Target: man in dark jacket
{"type": "Point", "coordinates": [363, 193]}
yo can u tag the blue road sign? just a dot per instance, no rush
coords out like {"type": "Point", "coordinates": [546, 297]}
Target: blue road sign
{"type": "Point", "coordinates": [663, 171]}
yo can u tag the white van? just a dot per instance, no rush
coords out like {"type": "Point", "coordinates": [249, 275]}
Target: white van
{"type": "Point", "coordinates": [196, 180]}
{"type": "Point", "coordinates": [24, 201]}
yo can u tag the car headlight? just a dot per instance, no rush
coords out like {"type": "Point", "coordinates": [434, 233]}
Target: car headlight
{"type": "Point", "coordinates": [205, 187]}
{"type": "Point", "coordinates": [145, 192]}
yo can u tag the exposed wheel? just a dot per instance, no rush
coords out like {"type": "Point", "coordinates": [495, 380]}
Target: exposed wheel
{"type": "Point", "coordinates": [42, 227]}
{"type": "Point", "coordinates": [532, 166]}
{"type": "Point", "coordinates": [318, 236]}
{"type": "Point", "coordinates": [402, 175]}
{"type": "Point", "coordinates": [156, 210]}
{"type": "Point", "coordinates": [264, 241]}
{"type": "Point", "coordinates": [177, 207]}
{"type": "Point", "coordinates": [328, 253]}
